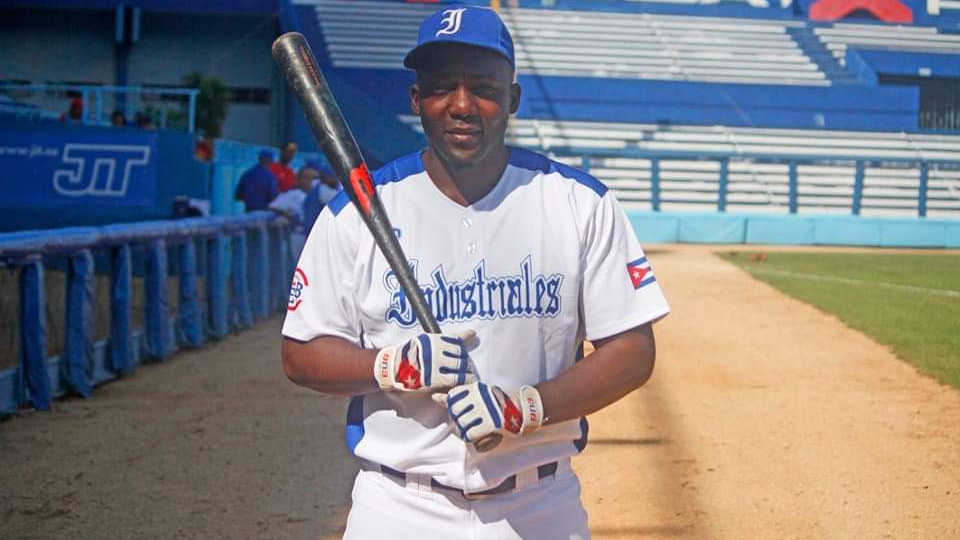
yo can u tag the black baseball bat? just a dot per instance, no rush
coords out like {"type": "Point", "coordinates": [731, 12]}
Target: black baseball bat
{"type": "Point", "coordinates": [299, 68]}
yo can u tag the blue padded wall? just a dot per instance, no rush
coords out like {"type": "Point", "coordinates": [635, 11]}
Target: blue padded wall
{"type": "Point", "coordinates": [909, 63]}
{"type": "Point", "coordinates": [669, 227]}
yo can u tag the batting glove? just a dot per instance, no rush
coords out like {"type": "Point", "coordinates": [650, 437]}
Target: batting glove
{"type": "Point", "coordinates": [426, 362]}
{"type": "Point", "coordinates": [478, 409]}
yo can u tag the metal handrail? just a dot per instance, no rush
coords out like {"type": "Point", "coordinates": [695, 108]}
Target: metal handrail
{"type": "Point", "coordinates": [97, 92]}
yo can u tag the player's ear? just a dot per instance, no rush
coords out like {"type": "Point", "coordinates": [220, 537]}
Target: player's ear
{"type": "Point", "coordinates": [515, 92]}
{"type": "Point", "coordinates": [415, 99]}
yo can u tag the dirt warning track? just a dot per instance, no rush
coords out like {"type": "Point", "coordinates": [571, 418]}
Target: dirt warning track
{"type": "Point", "coordinates": [764, 419]}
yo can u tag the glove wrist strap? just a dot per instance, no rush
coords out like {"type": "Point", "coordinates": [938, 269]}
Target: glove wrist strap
{"type": "Point", "coordinates": [531, 409]}
{"type": "Point", "coordinates": [384, 367]}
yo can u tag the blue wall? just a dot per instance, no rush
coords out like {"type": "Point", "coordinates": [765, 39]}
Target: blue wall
{"type": "Point", "coordinates": [719, 228]}
{"type": "Point", "coordinates": [909, 63]}
{"type": "Point", "coordinates": [370, 101]}
{"type": "Point", "coordinates": [623, 100]}
{"type": "Point", "coordinates": [836, 107]}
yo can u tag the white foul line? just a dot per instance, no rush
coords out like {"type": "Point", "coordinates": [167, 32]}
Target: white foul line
{"type": "Point", "coordinates": [849, 281]}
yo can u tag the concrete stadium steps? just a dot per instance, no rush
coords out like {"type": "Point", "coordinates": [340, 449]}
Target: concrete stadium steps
{"type": "Point", "coordinates": [837, 37]}
{"type": "Point", "coordinates": [825, 185]}
{"type": "Point", "coordinates": [821, 56]}
{"type": "Point", "coordinates": [364, 34]}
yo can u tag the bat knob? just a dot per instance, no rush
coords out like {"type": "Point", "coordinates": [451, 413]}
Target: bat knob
{"type": "Point", "coordinates": [488, 442]}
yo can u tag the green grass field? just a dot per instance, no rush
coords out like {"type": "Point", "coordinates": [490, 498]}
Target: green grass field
{"type": "Point", "coordinates": [910, 302]}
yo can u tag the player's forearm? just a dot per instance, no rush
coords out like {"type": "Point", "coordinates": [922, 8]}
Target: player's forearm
{"type": "Point", "coordinates": [619, 365]}
{"type": "Point", "coordinates": [330, 365]}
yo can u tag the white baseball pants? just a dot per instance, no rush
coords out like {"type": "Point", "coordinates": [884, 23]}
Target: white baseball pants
{"type": "Point", "coordinates": [391, 508]}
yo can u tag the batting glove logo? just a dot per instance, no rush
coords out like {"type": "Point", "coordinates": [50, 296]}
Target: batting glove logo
{"type": "Point", "coordinates": [300, 282]}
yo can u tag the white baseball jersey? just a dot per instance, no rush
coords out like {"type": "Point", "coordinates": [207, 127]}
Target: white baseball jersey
{"type": "Point", "coordinates": [542, 262]}
{"type": "Point", "coordinates": [290, 201]}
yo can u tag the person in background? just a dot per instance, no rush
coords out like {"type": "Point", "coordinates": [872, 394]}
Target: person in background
{"type": "Point", "coordinates": [74, 114]}
{"type": "Point", "coordinates": [319, 195]}
{"type": "Point", "coordinates": [117, 119]}
{"type": "Point", "coordinates": [203, 150]}
{"type": "Point", "coordinates": [290, 203]}
{"type": "Point", "coordinates": [258, 187]}
{"type": "Point", "coordinates": [285, 177]}
{"type": "Point", "coordinates": [144, 121]}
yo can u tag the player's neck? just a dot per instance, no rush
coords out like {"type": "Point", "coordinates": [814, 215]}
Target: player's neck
{"type": "Point", "coordinates": [465, 184]}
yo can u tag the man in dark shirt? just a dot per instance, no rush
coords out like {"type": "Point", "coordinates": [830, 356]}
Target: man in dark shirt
{"type": "Point", "coordinates": [257, 186]}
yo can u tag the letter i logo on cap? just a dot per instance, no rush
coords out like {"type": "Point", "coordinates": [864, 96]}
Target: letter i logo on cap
{"type": "Point", "coordinates": [451, 23]}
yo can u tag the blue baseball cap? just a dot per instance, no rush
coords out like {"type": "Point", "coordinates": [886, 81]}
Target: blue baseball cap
{"type": "Point", "coordinates": [469, 25]}
{"type": "Point", "coordinates": [266, 154]}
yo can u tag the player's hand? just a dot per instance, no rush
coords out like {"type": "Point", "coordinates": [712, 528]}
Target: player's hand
{"type": "Point", "coordinates": [478, 410]}
{"type": "Point", "coordinates": [426, 362]}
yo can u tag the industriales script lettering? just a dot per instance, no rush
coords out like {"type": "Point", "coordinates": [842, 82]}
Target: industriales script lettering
{"type": "Point", "coordinates": [480, 296]}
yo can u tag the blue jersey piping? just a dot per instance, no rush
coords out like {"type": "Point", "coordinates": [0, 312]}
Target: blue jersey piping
{"type": "Point", "coordinates": [411, 164]}
{"type": "Point", "coordinates": [355, 429]}
{"type": "Point", "coordinates": [394, 171]}
{"type": "Point", "coordinates": [525, 159]}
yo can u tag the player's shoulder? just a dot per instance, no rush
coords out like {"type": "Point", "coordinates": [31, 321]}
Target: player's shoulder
{"type": "Point", "coordinates": [393, 171]}
{"type": "Point", "coordinates": [556, 173]}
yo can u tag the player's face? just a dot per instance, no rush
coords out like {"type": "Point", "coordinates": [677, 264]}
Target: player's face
{"type": "Point", "coordinates": [464, 100]}
{"type": "Point", "coordinates": [305, 178]}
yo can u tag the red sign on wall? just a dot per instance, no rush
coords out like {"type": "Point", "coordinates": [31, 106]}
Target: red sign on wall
{"type": "Point", "coordinates": [889, 11]}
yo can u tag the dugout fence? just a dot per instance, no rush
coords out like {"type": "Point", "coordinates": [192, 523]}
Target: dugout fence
{"type": "Point", "coordinates": [219, 267]}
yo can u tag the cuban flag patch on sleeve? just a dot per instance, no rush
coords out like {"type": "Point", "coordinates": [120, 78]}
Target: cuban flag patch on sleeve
{"type": "Point", "coordinates": [640, 273]}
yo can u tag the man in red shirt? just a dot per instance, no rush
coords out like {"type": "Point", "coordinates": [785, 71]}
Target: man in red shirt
{"type": "Point", "coordinates": [286, 180]}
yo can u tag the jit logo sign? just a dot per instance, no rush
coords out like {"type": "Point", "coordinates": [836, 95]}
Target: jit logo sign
{"type": "Point", "coordinates": [98, 169]}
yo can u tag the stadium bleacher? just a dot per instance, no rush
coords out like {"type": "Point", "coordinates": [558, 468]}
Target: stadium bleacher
{"type": "Point", "coordinates": [840, 36]}
{"type": "Point", "coordinates": [590, 44]}
{"type": "Point", "coordinates": [666, 166]}
{"type": "Point", "coordinates": [690, 158]}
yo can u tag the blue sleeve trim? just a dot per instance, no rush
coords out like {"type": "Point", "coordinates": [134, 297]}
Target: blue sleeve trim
{"type": "Point", "coordinates": [395, 171]}
{"type": "Point", "coordinates": [355, 429]}
{"type": "Point", "coordinates": [337, 203]}
{"type": "Point", "coordinates": [525, 159]}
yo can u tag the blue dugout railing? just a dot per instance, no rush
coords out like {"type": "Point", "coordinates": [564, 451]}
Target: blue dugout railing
{"type": "Point", "coordinates": [245, 262]}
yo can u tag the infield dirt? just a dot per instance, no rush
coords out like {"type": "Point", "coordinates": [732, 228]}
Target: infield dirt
{"type": "Point", "coordinates": [764, 419]}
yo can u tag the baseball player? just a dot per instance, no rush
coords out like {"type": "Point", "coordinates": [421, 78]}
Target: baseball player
{"type": "Point", "coordinates": [521, 259]}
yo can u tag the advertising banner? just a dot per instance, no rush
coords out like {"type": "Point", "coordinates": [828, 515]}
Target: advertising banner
{"type": "Point", "coordinates": [78, 168]}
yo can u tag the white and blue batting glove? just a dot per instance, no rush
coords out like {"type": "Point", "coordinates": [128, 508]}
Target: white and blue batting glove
{"type": "Point", "coordinates": [478, 410]}
{"type": "Point", "coordinates": [426, 362]}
